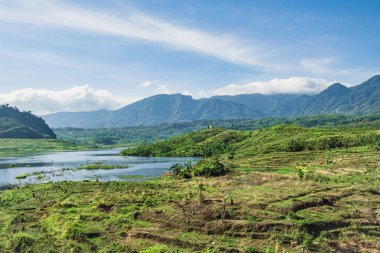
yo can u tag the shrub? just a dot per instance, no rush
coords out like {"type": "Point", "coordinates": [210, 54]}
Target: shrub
{"type": "Point", "coordinates": [183, 170]}
{"type": "Point", "coordinates": [300, 173]}
{"type": "Point", "coordinates": [210, 168]}
{"type": "Point", "coordinates": [316, 177]}
{"type": "Point", "coordinates": [207, 167]}
{"type": "Point", "coordinates": [295, 146]}
{"type": "Point", "coordinates": [377, 147]}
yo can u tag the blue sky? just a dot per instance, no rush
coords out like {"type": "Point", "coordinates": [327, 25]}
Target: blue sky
{"type": "Point", "coordinates": [83, 55]}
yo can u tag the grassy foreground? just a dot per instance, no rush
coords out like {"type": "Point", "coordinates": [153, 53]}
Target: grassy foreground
{"type": "Point", "coordinates": [291, 189]}
{"type": "Point", "coordinates": [309, 201]}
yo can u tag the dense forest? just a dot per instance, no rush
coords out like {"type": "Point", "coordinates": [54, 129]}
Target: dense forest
{"type": "Point", "coordinates": [146, 134]}
{"type": "Point", "coordinates": [22, 125]}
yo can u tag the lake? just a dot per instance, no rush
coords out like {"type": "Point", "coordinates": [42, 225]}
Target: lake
{"type": "Point", "coordinates": [57, 166]}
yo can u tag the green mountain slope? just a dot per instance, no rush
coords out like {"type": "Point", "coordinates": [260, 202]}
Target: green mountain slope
{"type": "Point", "coordinates": [22, 125]}
{"type": "Point", "coordinates": [282, 138]}
{"type": "Point", "coordinates": [273, 105]}
{"type": "Point", "coordinates": [143, 134]}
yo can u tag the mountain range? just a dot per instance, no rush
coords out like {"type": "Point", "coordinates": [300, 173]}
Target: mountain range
{"type": "Point", "coordinates": [336, 99]}
{"type": "Point", "coordinates": [20, 125]}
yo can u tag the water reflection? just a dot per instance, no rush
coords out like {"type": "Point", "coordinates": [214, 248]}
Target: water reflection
{"type": "Point", "coordinates": [53, 167]}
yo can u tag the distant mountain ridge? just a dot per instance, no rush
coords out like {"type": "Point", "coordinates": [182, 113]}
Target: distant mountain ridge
{"type": "Point", "coordinates": [22, 125]}
{"type": "Point", "coordinates": [158, 109]}
{"type": "Point", "coordinates": [155, 110]}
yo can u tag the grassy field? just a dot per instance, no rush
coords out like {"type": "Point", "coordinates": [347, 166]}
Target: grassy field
{"type": "Point", "coordinates": [265, 205]}
{"type": "Point", "coordinates": [290, 189]}
{"type": "Point", "coordinates": [18, 147]}
{"type": "Point", "coordinates": [281, 138]}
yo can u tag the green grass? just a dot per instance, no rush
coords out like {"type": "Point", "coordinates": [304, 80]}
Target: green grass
{"type": "Point", "coordinates": [253, 207]}
{"type": "Point", "coordinates": [282, 138]}
{"type": "Point", "coordinates": [100, 166]}
{"type": "Point", "coordinates": [19, 147]}
{"type": "Point", "coordinates": [262, 205]}
{"type": "Point", "coordinates": [23, 176]}
{"type": "Point", "coordinates": [131, 176]}
{"type": "Point", "coordinates": [39, 174]}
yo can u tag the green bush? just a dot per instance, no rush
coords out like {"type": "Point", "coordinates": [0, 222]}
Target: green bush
{"type": "Point", "coordinates": [300, 173]}
{"type": "Point", "coordinates": [207, 167]}
{"type": "Point", "coordinates": [210, 168]}
{"type": "Point", "coordinates": [183, 170]}
{"type": "Point", "coordinates": [295, 146]}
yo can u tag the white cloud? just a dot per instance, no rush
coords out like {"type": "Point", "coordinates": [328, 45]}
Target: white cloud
{"type": "Point", "coordinates": [295, 85]}
{"type": "Point", "coordinates": [134, 25]}
{"type": "Point", "coordinates": [155, 86]}
{"type": "Point", "coordinates": [145, 84]}
{"type": "Point", "coordinates": [80, 98]}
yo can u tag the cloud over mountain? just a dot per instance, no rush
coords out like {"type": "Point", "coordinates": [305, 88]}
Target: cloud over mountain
{"type": "Point", "coordinates": [293, 85]}
{"type": "Point", "coordinates": [79, 98]}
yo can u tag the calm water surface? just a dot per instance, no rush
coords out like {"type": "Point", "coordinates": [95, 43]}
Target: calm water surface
{"type": "Point", "coordinates": [50, 167]}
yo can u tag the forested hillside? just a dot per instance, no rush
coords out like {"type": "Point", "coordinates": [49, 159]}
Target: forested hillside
{"type": "Point", "coordinates": [282, 138]}
{"type": "Point", "coordinates": [146, 134]}
{"type": "Point", "coordinates": [22, 125]}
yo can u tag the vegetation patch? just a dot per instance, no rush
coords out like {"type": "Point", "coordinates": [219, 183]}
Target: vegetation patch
{"type": "Point", "coordinates": [26, 175]}
{"type": "Point", "coordinates": [101, 166]}
{"type": "Point", "coordinates": [323, 198]}
{"type": "Point", "coordinates": [282, 138]}
{"type": "Point", "coordinates": [21, 241]}
{"type": "Point", "coordinates": [138, 135]}
{"type": "Point", "coordinates": [131, 176]}
{"type": "Point", "coordinates": [20, 147]}
{"type": "Point", "coordinates": [210, 167]}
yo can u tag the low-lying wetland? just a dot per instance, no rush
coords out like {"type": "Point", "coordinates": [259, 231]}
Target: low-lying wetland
{"type": "Point", "coordinates": [101, 165]}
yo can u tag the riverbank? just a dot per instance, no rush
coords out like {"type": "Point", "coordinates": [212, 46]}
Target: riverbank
{"type": "Point", "coordinates": [101, 165]}
{"type": "Point", "coordinates": [22, 147]}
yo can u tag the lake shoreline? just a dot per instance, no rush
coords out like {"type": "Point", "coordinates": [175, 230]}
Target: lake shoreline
{"type": "Point", "coordinates": [102, 165]}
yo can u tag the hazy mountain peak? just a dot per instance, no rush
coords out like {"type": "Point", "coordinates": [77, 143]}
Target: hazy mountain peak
{"type": "Point", "coordinates": [373, 81]}
{"type": "Point", "coordinates": [336, 89]}
{"type": "Point", "coordinates": [375, 77]}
